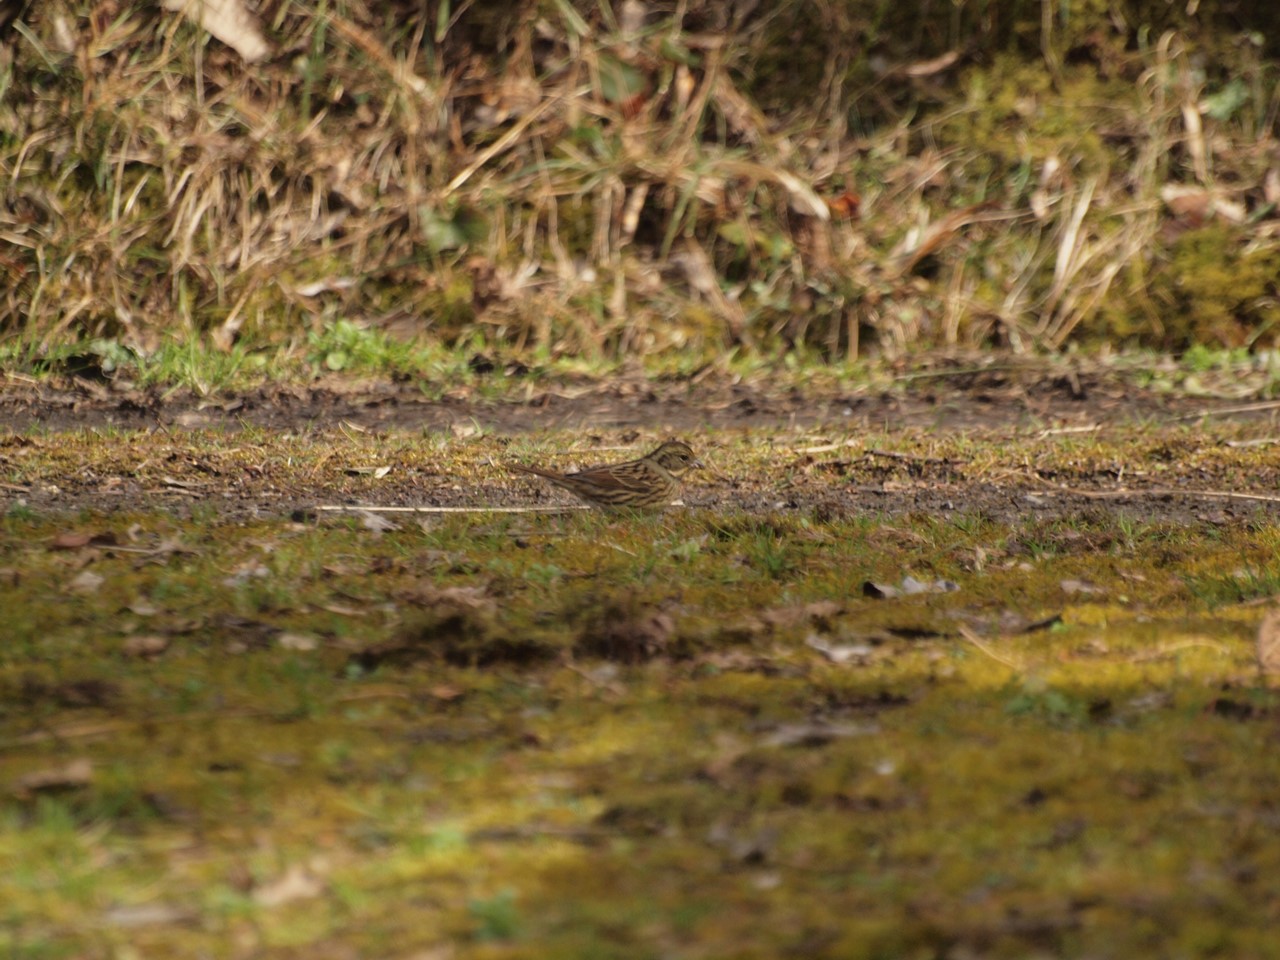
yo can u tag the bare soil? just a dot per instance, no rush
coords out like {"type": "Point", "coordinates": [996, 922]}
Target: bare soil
{"type": "Point", "coordinates": [949, 400]}
{"type": "Point", "coordinates": [993, 406]}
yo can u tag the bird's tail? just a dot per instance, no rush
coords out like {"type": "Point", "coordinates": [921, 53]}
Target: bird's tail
{"type": "Point", "coordinates": [536, 471]}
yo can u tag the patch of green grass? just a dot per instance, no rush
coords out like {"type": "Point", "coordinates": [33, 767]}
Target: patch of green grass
{"type": "Point", "coordinates": [1238, 586]}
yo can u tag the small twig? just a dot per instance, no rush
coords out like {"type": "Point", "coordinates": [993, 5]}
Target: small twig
{"type": "Point", "coordinates": [500, 144]}
{"type": "Point", "coordinates": [974, 639]}
{"type": "Point", "coordinates": [913, 458]}
{"type": "Point", "coordinates": [1054, 431]}
{"type": "Point", "coordinates": [1159, 492]}
{"type": "Point", "coordinates": [335, 508]}
{"type": "Point", "coordinates": [828, 447]}
{"type": "Point", "coordinates": [1226, 411]}
{"type": "Point", "coordinates": [1260, 442]}
{"type": "Point", "coordinates": [958, 372]}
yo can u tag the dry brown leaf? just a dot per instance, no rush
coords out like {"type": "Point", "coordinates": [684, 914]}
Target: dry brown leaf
{"type": "Point", "coordinates": [145, 645]}
{"type": "Point", "coordinates": [1081, 587]}
{"type": "Point", "coordinates": [375, 523]}
{"type": "Point", "coordinates": [301, 642]}
{"type": "Point", "coordinates": [71, 775]}
{"type": "Point", "coordinates": [840, 652]}
{"type": "Point", "coordinates": [297, 883]}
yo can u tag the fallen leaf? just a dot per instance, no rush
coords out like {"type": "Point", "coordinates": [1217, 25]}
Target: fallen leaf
{"type": "Point", "coordinates": [1082, 587]}
{"type": "Point", "coordinates": [297, 883]}
{"type": "Point", "coordinates": [840, 652]}
{"type": "Point", "coordinates": [375, 522]}
{"type": "Point", "coordinates": [229, 21]}
{"type": "Point", "coordinates": [145, 645]}
{"type": "Point", "coordinates": [909, 586]}
{"type": "Point", "coordinates": [297, 641]}
{"type": "Point", "coordinates": [70, 776]}
{"type": "Point", "coordinates": [85, 583]}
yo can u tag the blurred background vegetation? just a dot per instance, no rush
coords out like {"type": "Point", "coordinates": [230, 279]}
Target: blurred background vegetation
{"type": "Point", "coordinates": [682, 181]}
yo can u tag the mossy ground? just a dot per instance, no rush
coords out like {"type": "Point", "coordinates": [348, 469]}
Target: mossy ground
{"type": "Point", "coordinates": [619, 735]}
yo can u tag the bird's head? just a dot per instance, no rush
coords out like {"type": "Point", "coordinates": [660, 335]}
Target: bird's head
{"type": "Point", "coordinates": [676, 457]}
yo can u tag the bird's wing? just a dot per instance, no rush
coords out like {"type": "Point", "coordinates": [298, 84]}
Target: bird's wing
{"type": "Point", "coordinates": [622, 476]}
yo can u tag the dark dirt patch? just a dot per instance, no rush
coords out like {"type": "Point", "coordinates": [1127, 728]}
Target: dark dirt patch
{"type": "Point", "coordinates": [962, 399]}
{"type": "Point", "coordinates": [1023, 412]}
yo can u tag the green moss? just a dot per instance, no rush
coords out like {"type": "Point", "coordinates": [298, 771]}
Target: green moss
{"type": "Point", "coordinates": [402, 765]}
{"type": "Point", "coordinates": [1220, 290]}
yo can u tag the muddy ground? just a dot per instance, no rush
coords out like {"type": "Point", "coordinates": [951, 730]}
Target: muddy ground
{"type": "Point", "coordinates": [813, 456]}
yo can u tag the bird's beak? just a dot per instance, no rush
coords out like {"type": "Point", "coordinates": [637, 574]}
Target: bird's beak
{"type": "Point", "coordinates": [697, 465]}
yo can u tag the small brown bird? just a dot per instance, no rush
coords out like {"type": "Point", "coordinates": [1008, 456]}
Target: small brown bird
{"type": "Point", "coordinates": [650, 481]}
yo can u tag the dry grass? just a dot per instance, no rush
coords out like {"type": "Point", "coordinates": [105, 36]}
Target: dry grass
{"type": "Point", "coordinates": [612, 180]}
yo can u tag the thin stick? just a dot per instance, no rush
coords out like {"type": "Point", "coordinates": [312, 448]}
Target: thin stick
{"type": "Point", "coordinates": [977, 642]}
{"type": "Point", "coordinates": [500, 144]}
{"type": "Point", "coordinates": [1160, 492]}
{"type": "Point", "coordinates": [1260, 442]}
{"type": "Point", "coordinates": [828, 447]}
{"type": "Point", "coordinates": [911, 457]}
{"type": "Point", "coordinates": [1055, 431]}
{"type": "Point", "coordinates": [335, 508]}
{"type": "Point", "coordinates": [1225, 411]}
